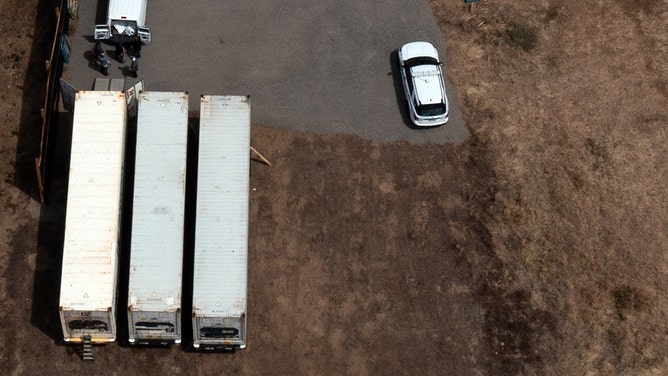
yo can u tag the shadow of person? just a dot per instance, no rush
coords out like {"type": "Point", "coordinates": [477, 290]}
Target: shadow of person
{"type": "Point", "coordinates": [92, 60]}
{"type": "Point", "coordinates": [126, 71]}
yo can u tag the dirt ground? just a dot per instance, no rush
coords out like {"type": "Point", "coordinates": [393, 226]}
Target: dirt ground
{"type": "Point", "coordinates": [536, 248]}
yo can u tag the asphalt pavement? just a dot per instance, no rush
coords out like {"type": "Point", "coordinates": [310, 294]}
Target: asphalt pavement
{"type": "Point", "coordinates": [309, 66]}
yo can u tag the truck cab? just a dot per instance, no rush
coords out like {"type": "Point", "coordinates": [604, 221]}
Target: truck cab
{"type": "Point", "coordinates": [125, 19]}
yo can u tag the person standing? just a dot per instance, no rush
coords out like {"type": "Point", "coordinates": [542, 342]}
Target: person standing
{"type": "Point", "coordinates": [120, 52]}
{"type": "Point", "coordinates": [134, 66]}
{"type": "Point", "coordinates": [98, 50]}
{"type": "Point", "coordinates": [136, 46]}
{"type": "Point", "coordinates": [104, 62]}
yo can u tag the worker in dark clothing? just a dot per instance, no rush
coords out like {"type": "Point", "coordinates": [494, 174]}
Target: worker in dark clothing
{"type": "Point", "coordinates": [98, 50]}
{"type": "Point", "coordinates": [136, 46]}
{"type": "Point", "coordinates": [120, 52]}
{"type": "Point", "coordinates": [134, 66]}
{"type": "Point", "coordinates": [104, 63]}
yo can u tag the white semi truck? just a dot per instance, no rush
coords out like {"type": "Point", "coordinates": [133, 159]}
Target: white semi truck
{"type": "Point", "coordinates": [156, 246]}
{"type": "Point", "coordinates": [125, 19]}
{"type": "Point", "coordinates": [221, 224]}
{"type": "Point", "coordinates": [88, 289]}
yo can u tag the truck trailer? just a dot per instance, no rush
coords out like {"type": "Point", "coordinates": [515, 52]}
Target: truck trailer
{"type": "Point", "coordinates": [125, 20]}
{"type": "Point", "coordinates": [221, 224]}
{"type": "Point", "coordinates": [156, 245]}
{"type": "Point", "coordinates": [93, 219]}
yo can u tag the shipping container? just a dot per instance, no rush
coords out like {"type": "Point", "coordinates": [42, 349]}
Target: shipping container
{"type": "Point", "coordinates": [93, 219]}
{"type": "Point", "coordinates": [221, 227]}
{"type": "Point", "coordinates": [156, 245]}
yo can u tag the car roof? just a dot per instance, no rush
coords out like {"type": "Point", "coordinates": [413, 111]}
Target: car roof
{"type": "Point", "coordinates": [427, 81]}
{"type": "Point", "coordinates": [417, 49]}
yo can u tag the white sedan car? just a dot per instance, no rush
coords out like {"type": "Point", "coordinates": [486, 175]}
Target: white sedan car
{"type": "Point", "coordinates": [423, 84]}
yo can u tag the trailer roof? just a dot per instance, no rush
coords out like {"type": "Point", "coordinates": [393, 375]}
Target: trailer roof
{"type": "Point", "coordinates": [93, 201]}
{"type": "Point", "coordinates": [221, 227]}
{"type": "Point", "coordinates": [156, 255]}
{"type": "Point", "coordinates": [131, 10]}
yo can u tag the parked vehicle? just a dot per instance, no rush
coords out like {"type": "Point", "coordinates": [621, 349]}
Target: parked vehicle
{"type": "Point", "coordinates": [125, 19]}
{"type": "Point", "coordinates": [87, 306]}
{"type": "Point", "coordinates": [423, 82]}
{"type": "Point", "coordinates": [221, 224]}
{"type": "Point", "coordinates": [156, 245]}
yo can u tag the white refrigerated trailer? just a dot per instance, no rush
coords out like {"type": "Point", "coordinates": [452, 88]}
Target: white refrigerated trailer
{"type": "Point", "coordinates": [92, 223]}
{"type": "Point", "coordinates": [125, 20]}
{"type": "Point", "coordinates": [156, 245]}
{"type": "Point", "coordinates": [221, 224]}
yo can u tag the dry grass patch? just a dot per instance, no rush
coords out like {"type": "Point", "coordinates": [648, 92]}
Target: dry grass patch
{"type": "Point", "coordinates": [569, 148]}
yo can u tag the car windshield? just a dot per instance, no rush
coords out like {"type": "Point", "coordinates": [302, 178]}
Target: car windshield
{"type": "Point", "coordinates": [435, 109]}
{"type": "Point", "coordinates": [421, 60]}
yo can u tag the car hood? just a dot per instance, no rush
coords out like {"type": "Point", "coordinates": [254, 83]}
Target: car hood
{"type": "Point", "coordinates": [417, 49]}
